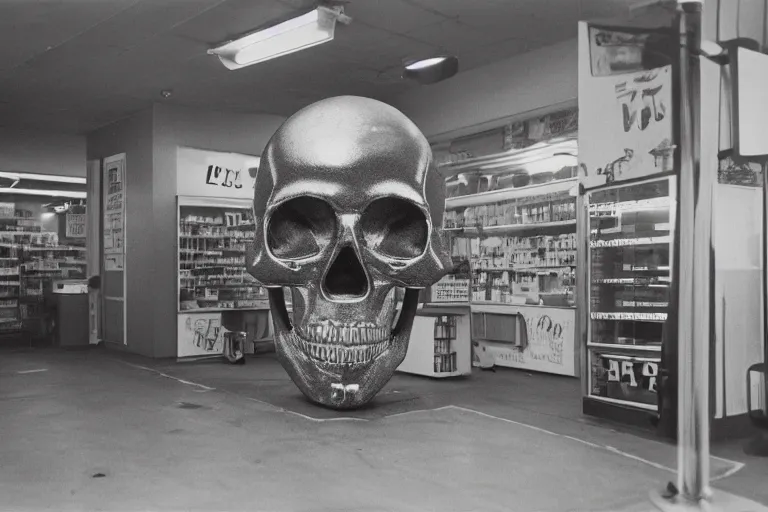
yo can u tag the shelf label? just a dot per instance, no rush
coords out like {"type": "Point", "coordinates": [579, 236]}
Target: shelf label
{"type": "Point", "coordinates": [652, 317]}
{"type": "Point", "coordinates": [625, 242]}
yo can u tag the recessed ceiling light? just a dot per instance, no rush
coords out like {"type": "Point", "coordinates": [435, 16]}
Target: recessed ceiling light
{"type": "Point", "coordinates": [431, 70]}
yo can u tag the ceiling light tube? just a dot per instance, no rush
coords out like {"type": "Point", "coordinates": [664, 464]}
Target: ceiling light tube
{"type": "Point", "coordinates": [41, 177]}
{"type": "Point", "coordinates": [311, 29]}
{"type": "Point", "coordinates": [44, 192]}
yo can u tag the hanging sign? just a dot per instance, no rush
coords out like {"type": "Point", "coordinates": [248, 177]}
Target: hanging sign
{"type": "Point", "coordinates": [114, 212]}
{"type": "Point", "coordinates": [204, 173]}
{"type": "Point", "coordinates": [625, 108]}
{"type": "Point", "coordinates": [75, 225]}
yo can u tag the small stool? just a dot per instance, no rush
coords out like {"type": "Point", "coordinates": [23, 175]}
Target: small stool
{"type": "Point", "coordinates": [234, 346]}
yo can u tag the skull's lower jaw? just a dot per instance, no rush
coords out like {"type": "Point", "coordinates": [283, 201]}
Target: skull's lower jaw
{"type": "Point", "coordinates": [336, 371]}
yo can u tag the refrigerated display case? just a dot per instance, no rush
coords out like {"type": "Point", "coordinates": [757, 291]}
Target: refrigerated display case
{"type": "Point", "coordinates": [629, 271]}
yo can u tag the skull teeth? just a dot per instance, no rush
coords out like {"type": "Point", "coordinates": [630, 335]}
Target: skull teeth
{"type": "Point", "coordinates": [343, 343]}
{"type": "Point", "coordinates": [343, 355]}
{"type": "Point", "coordinates": [355, 334]}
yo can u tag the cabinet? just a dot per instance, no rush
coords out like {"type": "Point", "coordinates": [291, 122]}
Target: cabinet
{"type": "Point", "coordinates": [439, 346]}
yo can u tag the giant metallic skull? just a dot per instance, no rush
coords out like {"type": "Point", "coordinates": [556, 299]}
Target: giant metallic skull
{"type": "Point", "coordinates": [348, 207]}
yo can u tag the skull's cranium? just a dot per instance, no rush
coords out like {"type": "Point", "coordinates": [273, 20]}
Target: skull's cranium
{"type": "Point", "coordinates": [348, 206]}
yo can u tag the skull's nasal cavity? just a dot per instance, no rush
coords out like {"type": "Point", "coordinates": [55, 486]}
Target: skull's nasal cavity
{"type": "Point", "coordinates": [346, 277]}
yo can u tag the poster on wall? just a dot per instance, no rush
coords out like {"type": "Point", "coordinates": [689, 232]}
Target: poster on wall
{"type": "Point", "coordinates": [75, 225]}
{"type": "Point", "coordinates": [200, 334]}
{"type": "Point", "coordinates": [114, 212]}
{"type": "Point", "coordinates": [625, 107]}
{"type": "Point", "coordinates": [205, 173]}
{"type": "Point", "coordinates": [549, 343]}
{"type": "Point", "coordinates": [746, 174]}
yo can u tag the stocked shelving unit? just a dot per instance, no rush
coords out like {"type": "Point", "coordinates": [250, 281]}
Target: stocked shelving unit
{"type": "Point", "coordinates": [439, 345]}
{"type": "Point", "coordinates": [212, 275]}
{"type": "Point", "coordinates": [31, 259]}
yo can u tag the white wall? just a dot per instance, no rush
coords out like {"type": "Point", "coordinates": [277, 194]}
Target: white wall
{"type": "Point", "coordinates": [531, 81]}
{"type": "Point", "coordinates": [43, 153]}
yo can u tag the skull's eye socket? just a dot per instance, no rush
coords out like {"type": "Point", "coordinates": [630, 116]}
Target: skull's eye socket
{"type": "Point", "coordinates": [300, 227]}
{"type": "Point", "coordinates": [395, 228]}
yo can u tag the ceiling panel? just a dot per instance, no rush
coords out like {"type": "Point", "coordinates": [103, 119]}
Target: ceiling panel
{"type": "Point", "coordinates": [231, 19]}
{"type": "Point", "coordinates": [452, 36]}
{"type": "Point", "coordinates": [28, 28]}
{"type": "Point", "coordinates": [143, 21]}
{"type": "Point", "coordinates": [551, 20]}
{"type": "Point", "coordinates": [110, 58]}
{"type": "Point", "coordinates": [471, 58]}
{"type": "Point", "coordinates": [604, 9]}
{"type": "Point", "coordinates": [393, 15]}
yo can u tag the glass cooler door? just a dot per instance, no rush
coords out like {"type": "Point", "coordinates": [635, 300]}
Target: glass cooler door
{"type": "Point", "coordinates": [631, 237]}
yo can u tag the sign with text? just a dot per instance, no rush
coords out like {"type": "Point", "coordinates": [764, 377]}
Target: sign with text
{"type": "Point", "coordinates": [549, 346]}
{"type": "Point", "coordinates": [625, 109]}
{"type": "Point", "coordinates": [625, 378]}
{"type": "Point", "coordinates": [200, 334]}
{"type": "Point", "coordinates": [204, 173]}
{"type": "Point", "coordinates": [75, 225]}
{"type": "Point", "coordinates": [114, 212]}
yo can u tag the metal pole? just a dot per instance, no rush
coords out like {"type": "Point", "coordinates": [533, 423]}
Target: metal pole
{"type": "Point", "coordinates": [695, 256]}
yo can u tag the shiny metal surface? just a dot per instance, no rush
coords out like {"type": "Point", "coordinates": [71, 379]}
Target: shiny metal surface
{"type": "Point", "coordinates": [694, 330]}
{"type": "Point", "coordinates": [348, 206]}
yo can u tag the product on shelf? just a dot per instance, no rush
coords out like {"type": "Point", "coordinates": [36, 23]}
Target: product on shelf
{"type": "Point", "coordinates": [212, 273]}
{"type": "Point", "coordinates": [445, 335]}
{"type": "Point", "coordinates": [524, 269]}
{"type": "Point", "coordinates": [537, 209]}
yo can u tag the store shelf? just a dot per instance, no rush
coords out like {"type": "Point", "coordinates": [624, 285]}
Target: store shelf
{"type": "Point", "coordinates": [221, 310]}
{"type": "Point", "coordinates": [508, 194]}
{"type": "Point", "coordinates": [620, 346]}
{"type": "Point", "coordinates": [509, 229]}
{"type": "Point", "coordinates": [210, 275]}
{"type": "Point", "coordinates": [637, 405]}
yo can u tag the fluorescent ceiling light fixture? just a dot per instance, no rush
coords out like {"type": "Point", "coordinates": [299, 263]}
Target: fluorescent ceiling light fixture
{"type": "Point", "coordinates": [425, 63]}
{"type": "Point", "coordinates": [44, 192]}
{"type": "Point", "coordinates": [311, 29]}
{"type": "Point", "coordinates": [42, 177]}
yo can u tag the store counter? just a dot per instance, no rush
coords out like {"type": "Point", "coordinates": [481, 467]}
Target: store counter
{"type": "Point", "coordinates": [528, 337]}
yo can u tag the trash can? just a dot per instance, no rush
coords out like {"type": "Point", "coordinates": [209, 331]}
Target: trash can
{"type": "Point", "coordinates": [71, 303]}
